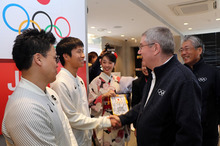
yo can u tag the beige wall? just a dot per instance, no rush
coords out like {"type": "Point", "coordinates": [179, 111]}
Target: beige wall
{"type": "Point", "coordinates": [126, 57]}
{"type": "Point", "coordinates": [177, 40]}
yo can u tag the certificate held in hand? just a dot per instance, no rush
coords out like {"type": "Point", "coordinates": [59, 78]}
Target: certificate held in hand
{"type": "Point", "coordinates": [119, 104]}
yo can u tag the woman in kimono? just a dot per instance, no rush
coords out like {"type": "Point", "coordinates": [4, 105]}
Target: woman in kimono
{"type": "Point", "coordinates": [101, 89]}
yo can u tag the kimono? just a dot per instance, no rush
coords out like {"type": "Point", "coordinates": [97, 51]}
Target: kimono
{"type": "Point", "coordinates": [102, 107]}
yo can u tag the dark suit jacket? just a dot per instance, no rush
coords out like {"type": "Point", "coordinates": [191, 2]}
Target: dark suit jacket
{"type": "Point", "coordinates": [137, 90]}
{"type": "Point", "coordinates": [94, 70]}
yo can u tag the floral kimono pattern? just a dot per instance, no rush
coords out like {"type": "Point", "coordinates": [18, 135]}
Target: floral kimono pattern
{"type": "Point", "coordinates": [102, 107]}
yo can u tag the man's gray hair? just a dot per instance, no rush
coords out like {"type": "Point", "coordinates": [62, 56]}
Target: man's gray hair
{"type": "Point", "coordinates": [162, 36]}
{"type": "Point", "coordinates": [196, 42]}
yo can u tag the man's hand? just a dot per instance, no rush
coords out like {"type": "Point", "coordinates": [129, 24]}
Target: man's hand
{"type": "Point", "coordinates": [115, 121]}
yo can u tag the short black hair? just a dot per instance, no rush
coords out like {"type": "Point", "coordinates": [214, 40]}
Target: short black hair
{"type": "Point", "coordinates": [30, 42]}
{"type": "Point", "coordinates": [110, 56]}
{"type": "Point", "coordinates": [92, 55]}
{"type": "Point", "coordinates": [66, 45]}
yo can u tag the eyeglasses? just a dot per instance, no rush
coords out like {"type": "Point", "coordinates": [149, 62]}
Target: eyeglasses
{"type": "Point", "coordinates": [56, 58]}
{"type": "Point", "coordinates": [184, 49]}
{"type": "Point", "coordinates": [141, 46]}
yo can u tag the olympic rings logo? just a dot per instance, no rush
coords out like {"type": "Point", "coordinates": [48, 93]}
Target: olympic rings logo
{"type": "Point", "coordinates": [19, 30]}
{"type": "Point", "coordinates": [161, 92]}
{"type": "Point", "coordinates": [202, 79]}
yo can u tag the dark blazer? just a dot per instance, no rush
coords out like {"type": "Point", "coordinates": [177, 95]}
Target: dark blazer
{"type": "Point", "coordinates": [94, 70]}
{"type": "Point", "coordinates": [137, 89]}
{"type": "Point", "coordinates": [172, 116]}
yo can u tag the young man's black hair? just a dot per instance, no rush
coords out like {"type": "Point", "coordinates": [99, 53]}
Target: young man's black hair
{"type": "Point", "coordinates": [28, 43]}
{"type": "Point", "coordinates": [66, 45]}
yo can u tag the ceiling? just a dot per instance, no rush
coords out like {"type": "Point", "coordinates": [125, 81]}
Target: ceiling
{"type": "Point", "coordinates": [113, 18]}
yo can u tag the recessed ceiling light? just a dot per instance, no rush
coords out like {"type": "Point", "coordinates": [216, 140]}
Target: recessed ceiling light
{"type": "Point", "coordinates": [185, 23]}
{"type": "Point", "coordinates": [92, 27]}
{"type": "Point", "coordinates": [217, 19]}
{"type": "Point", "coordinates": [109, 32]}
{"type": "Point", "coordinates": [122, 35]}
{"type": "Point", "coordinates": [190, 28]}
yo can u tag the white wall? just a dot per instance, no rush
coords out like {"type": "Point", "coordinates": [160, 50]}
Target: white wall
{"type": "Point", "coordinates": [70, 16]}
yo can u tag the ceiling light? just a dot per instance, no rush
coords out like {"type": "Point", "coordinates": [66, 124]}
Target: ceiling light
{"type": "Point", "coordinates": [92, 27]}
{"type": "Point", "coordinates": [132, 38]}
{"type": "Point", "coordinates": [190, 28]}
{"type": "Point", "coordinates": [217, 19]}
{"type": "Point", "coordinates": [122, 35]}
{"type": "Point", "coordinates": [185, 23]}
{"type": "Point", "coordinates": [109, 32]}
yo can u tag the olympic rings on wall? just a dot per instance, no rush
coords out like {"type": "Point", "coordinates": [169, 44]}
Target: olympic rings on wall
{"type": "Point", "coordinates": [46, 15]}
{"type": "Point", "coordinates": [3, 14]}
{"type": "Point", "coordinates": [28, 21]}
{"type": "Point", "coordinates": [55, 27]}
{"type": "Point", "coordinates": [67, 23]}
{"type": "Point", "coordinates": [25, 21]}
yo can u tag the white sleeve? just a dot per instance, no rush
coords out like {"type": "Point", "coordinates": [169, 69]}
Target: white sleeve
{"type": "Point", "coordinates": [77, 120]}
{"type": "Point", "coordinates": [73, 139]}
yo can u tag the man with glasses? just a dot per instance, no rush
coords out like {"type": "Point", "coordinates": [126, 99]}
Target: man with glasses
{"type": "Point", "coordinates": [209, 79]}
{"type": "Point", "coordinates": [169, 112]}
{"type": "Point", "coordinates": [33, 114]}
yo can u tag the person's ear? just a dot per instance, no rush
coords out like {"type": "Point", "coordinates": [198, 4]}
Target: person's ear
{"type": "Point", "coordinates": [66, 57]}
{"type": "Point", "coordinates": [157, 48]}
{"type": "Point", "coordinates": [37, 58]}
{"type": "Point", "coordinates": [200, 50]}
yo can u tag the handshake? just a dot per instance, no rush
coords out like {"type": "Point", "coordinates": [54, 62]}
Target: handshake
{"type": "Point", "coordinates": [115, 121]}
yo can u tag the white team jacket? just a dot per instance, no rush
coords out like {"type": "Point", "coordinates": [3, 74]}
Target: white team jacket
{"type": "Point", "coordinates": [34, 118]}
{"type": "Point", "coordinates": [72, 93]}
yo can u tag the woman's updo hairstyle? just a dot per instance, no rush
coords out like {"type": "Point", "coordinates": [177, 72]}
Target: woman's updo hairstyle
{"type": "Point", "coordinates": [111, 56]}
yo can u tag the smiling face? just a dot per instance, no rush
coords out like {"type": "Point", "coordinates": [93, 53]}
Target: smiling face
{"type": "Point", "coordinates": [144, 70]}
{"type": "Point", "coordinates": [190, 54]}
{"type": "Point", "coordinates": [107, 65]}
{"type": "Point", "coordinates": [147, 52]}
{"type": "Point", "coordinates": [77, 58]}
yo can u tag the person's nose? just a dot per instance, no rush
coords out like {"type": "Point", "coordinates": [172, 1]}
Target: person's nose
{"type": "Point", "coordinates": [183, 52]}
{"type": "Point", "coordinates": [83, 55]}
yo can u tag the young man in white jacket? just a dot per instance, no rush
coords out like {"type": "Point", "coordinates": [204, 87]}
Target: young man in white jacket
{"type": "Point", "coordinates": [71, 89]}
